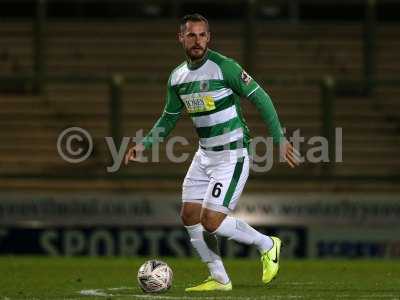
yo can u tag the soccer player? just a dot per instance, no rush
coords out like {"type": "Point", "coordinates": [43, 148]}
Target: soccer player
{"type": "Point", "coordinates": [209, 85]}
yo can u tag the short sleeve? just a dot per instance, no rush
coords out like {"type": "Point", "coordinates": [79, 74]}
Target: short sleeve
{"type": "Point", "coordinates": [237, 78]}
{"type": "Point", "coordinates": [173, 105]}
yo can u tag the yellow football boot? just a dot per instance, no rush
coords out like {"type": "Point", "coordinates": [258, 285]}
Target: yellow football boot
{"type": "Point", "coordinates": [270, 261]}
{"type": "Point", "coordinates": [210, 284]}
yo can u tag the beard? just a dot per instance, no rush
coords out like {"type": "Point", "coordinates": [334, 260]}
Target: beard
{"type": "Point", "coordinates": [195, 52]}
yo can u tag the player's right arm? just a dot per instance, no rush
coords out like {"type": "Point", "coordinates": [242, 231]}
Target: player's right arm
{"type": "Point", "coordinates": [162, 128]}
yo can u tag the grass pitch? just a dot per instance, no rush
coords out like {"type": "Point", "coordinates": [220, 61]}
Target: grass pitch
{"type": "Point", "coordinates": [115, 278]}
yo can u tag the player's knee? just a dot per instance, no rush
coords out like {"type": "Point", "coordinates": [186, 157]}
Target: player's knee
{"type": "Point", "coordinates": [190, 215]}
{"type": "Point", "coordinates": [209, 223]}
{"type": "Point", "coordinates": [211, 220]}
{"type": "Point", "coordinates": [188, 219]}
{"type": "Point", "coordinates": [209, 227]}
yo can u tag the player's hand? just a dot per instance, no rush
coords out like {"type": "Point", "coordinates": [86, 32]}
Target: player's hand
{"type": "Point", "coordinates": [134, 153]}
{"type": "Point", "coordinates": [291, 155]}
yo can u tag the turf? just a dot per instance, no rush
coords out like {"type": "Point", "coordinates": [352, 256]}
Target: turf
{"type": "Point", "coordinates": [115, 278]}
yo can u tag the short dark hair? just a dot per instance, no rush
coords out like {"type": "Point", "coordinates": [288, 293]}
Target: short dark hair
{"type": "Point", "coordinates": [192, 18]}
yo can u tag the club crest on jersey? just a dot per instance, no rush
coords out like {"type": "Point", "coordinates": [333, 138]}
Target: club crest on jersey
{"type": "Point", "coordinates": [246, 77]}
{"type": "Point", "coordinates": [197, 103]}
{"type": "Point", "coordinates": [204, 86]}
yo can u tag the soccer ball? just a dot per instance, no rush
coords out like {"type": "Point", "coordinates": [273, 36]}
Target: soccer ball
{"type": "Point", "coordinates": [154, 276]}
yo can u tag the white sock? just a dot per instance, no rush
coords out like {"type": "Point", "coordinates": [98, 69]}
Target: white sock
{"type": "Point", "coordinates": [207, 255]}
{"type": "Point", "coordinates": [240, 231]}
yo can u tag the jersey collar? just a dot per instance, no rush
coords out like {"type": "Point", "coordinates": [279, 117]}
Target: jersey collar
{"type": "Point", "coordinates": [196, 65]}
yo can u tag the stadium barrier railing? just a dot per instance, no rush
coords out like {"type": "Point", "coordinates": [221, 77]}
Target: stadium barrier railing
{"type": "Point", "coordinates": [330, 89]}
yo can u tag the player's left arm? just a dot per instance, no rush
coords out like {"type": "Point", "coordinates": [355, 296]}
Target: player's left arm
{"type": "Point", "coordinates": [244, 85]}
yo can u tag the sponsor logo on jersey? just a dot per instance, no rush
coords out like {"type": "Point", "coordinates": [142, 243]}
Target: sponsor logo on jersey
{"type": "Point", "coordinates": [246, 77]}
{"type": "Point", "coordinates": [197, 103]}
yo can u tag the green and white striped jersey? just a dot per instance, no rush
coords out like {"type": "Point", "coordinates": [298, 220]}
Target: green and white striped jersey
{"type": "Point", "coordinates": [210, 92]}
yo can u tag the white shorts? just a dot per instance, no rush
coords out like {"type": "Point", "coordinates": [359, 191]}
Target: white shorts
{"type": "Point", "coordinates": [216, 179]}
